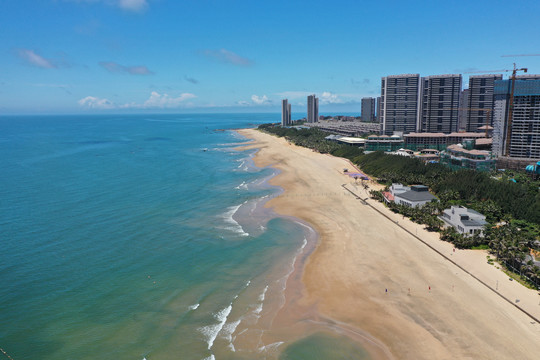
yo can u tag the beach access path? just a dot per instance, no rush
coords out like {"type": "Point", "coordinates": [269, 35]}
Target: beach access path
{"type": "Point", "coordinates": [370, 273]}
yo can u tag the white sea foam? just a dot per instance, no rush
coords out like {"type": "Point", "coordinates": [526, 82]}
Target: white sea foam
{"type": "Point", "coordinates": [236, 227]}
{"type": "Point", "coordinates": [258, 310]}
{"type": "Point", "coordinates": [228, 331]}
{"type": "Point", "coordinates": [211, 357]}
{"type": "Point", "coordinates": [211, 331]}
{"type": "Point", "coordinates": [242, 164]}
{"type": "Point", "coordinates": [243, 185]}
{"type": "Point", "coordinates": [270, 347]}
{"type": "Point", "coordinates": [263, 294]}
{"type": "Point", "coordinates": [304, 225]}
{"type": "Point", "coordinates": [193, 307]}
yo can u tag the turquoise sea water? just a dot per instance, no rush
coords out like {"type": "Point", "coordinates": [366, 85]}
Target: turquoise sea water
{"type": "Point", "coordinates": [131, 237]}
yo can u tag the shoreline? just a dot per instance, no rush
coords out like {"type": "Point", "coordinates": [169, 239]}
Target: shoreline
{"type": "Point", "coordinates": [405, 319]}
{"type": "Point", "coordinates": [291, 319]}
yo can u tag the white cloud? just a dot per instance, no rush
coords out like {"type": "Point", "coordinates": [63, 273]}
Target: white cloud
{"type": "Point", "coordinates": [34, 59]}
{"type": "Point", "coordinates": [329, 98]}
{"type": "Point", "coordinates": [155, 101]}
{"type": "Point", "coordinates": [325, 98]}
{"type": "Point", "coordinates": [133, 5]}
{"type": "Point", "coordinates": [260, 100]}
{"type": "Point", "coordinates": [92, 102]}
{"type": "Point", "coordinates": [294, 94]}
{"type": "Point", "coordinates": [228, 57]}
{"type": "Point", "coordinates": [128, 5]}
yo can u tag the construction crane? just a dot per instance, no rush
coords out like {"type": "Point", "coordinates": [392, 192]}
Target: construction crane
{"type": "Point", "coordinates": [488, 113]}
{"type": "Point", "coordinates": [511, 102]}
{"type": "Point", "coordinates": [511, 109]}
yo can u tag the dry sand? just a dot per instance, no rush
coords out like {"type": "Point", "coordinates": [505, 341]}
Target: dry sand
{"type": "Point", "coordinates": [433, 309]}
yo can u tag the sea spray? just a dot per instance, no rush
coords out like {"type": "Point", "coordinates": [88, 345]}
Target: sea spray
{"type": "Point", "coordinates": [228, 216]}
{"type": "Point", "coordinates": [212, 331]}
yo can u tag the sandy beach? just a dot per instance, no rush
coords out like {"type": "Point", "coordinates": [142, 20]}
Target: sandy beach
{"type": "Point", "coordinates": [368, 273]}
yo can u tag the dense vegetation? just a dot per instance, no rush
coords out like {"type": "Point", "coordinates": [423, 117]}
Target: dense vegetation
{"type": "Point", "coordinates": [510, 201]}
{"type": "Point", "coordinates": [313, 139]}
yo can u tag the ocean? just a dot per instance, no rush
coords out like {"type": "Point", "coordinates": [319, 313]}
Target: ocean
{"type": "Point", "coordinates": [142, 237]}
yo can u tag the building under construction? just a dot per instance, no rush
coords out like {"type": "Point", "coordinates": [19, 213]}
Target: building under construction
{"type": "Point", "coordinates": [522, 139]}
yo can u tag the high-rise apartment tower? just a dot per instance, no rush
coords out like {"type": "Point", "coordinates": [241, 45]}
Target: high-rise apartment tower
{"type": "Point", "coordinates": [368, 109]}
{"type": "Point", "coordinates": [312, 109]}
{"type": "Point", "coordinates": [524, 139]}
{"type": "Point", "coordinates": [400, 103]}
{"type": "Point", "coordinates": [440, 104]}
{"type": "Point", "coordinates": [285, 113]}
{"type": "Point", "coordinates": [481, 97]}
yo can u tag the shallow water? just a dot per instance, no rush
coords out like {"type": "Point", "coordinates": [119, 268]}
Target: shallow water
{"type": "Point", "coordinates": [131, 237]}
{"type": "Point", "coordinates": [324, 346]}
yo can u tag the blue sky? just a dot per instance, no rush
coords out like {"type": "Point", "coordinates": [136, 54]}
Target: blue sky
{"type": "Point", "coordinates": [86, 56]}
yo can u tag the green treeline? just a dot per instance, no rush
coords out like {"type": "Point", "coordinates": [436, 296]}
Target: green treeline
{"type": "Point", "coordinates": [510, 201]}
{"type": "Point", "coordinates": [484, 192]}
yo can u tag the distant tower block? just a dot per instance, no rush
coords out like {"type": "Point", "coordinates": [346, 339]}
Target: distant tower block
{"type": "Point", "coordinates": [285, 113]}
{"type": "Point", "coordinates": [400, 103]}
{"type": "Point", "coordinates": [368, 109]}
{"type": "Point", "coordinates": [440, 103]}
{"type": "Point", "coordinates": [312, 109]}
{"type": "Point", "coordinates": [480, 97]}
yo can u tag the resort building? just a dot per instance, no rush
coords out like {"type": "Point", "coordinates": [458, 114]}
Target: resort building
{"type": "Point", "coordinates": [400, 103]}
{"type": "Point", "coordinates": [480, 97]}
{"type": "Point", "coordinates": [466, 221]}
{"type": "Point", "coordinates": [346, 128]}
{"type": "Point", "coordinates": [384, 143]}
{"type": "Point", "coordinates": [440, 104]}
{"type": "Point", "coordinates": [368, 109]}
{"type": "Point", "coordinates": [524, 139]}
{"type": "Point", "coordinates": [312, 109]}
{"type": "Point", "coordinates": [464, 156]}
{"type": "Point", "coordinates": [285, 113]}
{"type": "Point", "coordinates": [414, 196]}
{"type": "Point", "coordinates": [347, 140]}
{"type": "Point", "coordinates": [437, 141]}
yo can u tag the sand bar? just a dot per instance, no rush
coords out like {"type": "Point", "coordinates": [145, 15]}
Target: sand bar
{"type": "Point", "coordinates": [369, 273]}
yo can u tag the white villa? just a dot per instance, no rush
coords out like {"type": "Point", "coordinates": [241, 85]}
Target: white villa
{"type": "Point", "coordinates": [414, 196]}
{"type": "Point", "coordinates": [466, 221]}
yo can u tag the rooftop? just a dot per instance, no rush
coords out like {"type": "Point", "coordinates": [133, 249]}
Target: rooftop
{"type": "Point", "coordinates": [413, 195]}
{"type": "Point", "coordinates": [460, 148]}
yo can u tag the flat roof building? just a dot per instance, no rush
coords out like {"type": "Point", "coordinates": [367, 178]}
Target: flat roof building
{"type": "Point", "coordinates": [417, 195]}
{"type": "Point", "coordinates": [440, 103]}
{"type": "Point", "coordinates": [481, 97]}
{"type": "Point", "coordinates": [312, 109]}
{"type": "Point", "coordinates": [400, 103]}
{"type": "Point", "coordinates": [285, 113]}
{"type": "Point", "coordinates": [524, 139]}
{"type": "Point", "coordinates": [466, 221]}
{"type": "Point", "coordinates": [368, 109]}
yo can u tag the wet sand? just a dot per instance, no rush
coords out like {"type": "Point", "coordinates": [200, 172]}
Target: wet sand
{"type": "Point", "coordinates": [376, 282]}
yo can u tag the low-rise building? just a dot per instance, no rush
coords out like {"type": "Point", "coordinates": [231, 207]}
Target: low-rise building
{"type": "Point", "coordinates": [464, 157]}
{"type": "Point", "coordinates": [416, 195]}
{"type": "Point", "coordinates": [384, 143]}
{"type": "Point", "coordinates": [437, 141]}
{"type": "Point", "coordinates": [466, 221]}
